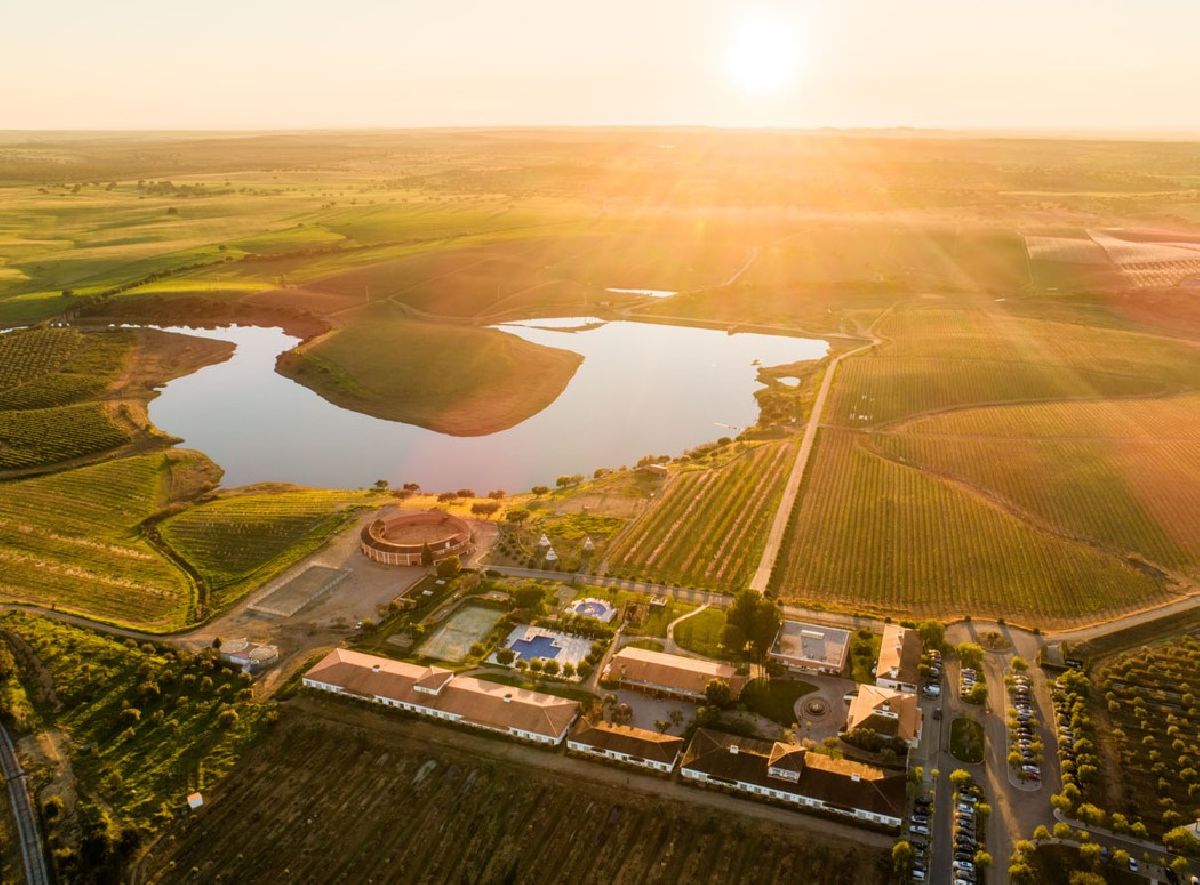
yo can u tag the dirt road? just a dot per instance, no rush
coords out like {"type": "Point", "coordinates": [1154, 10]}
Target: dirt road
{"type": "Point", "coordinates": [762, 575]}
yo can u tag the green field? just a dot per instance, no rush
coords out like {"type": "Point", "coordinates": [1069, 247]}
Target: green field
{"type": "Point", "coordinates": [884, 536]}
{"type": "Point", "coordinates": [73, 540]}
{"type": "Point", "coordinates": [461, 380]}
{"type": "Point", "coordinates": [707, 528]}
{"type": "Point", "coordinates": [49, 381]}
{"type": "Point", "coordinates": [238, 543]}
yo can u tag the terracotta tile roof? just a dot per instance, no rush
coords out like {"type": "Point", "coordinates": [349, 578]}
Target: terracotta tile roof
{"type": "Point", "coordinates": [899, 655]}
{"type": "Point", "coordinates": [788, 757]}
{"type": "Point", "coordinates": [640, 742]}
{"type": "Point", "coordinates": [372, 676]}
{"type": "Point", "coordinates": [836, 782]}
{"type": "Point", "coordinates": [503, 706]}
{"type": "Point", "coordinates": [672, 671]}
{"type": "Point", "coordinates": [483, 703]}
{"type": "Point", "coordinates": [872, 701]}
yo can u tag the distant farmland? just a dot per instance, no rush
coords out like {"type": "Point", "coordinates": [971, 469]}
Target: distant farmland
{"type": "Point", "coordinates": [402, 808]}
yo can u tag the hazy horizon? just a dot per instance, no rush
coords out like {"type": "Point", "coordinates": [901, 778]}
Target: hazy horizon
{"type": "Point", "coordinates": [1073, 67]}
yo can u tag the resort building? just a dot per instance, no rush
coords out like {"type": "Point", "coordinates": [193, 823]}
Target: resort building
{"type": "Point", "coordinates": [672, 675]}
{"type": "Point", "coordinates": [624, 743]}
{"type": "Point", "coordinates": [407, 538]}
{"type": "Point", "coordinates": [811, 648]}
{"type": "Point", "coordinates": [899, 659]}
{"type": "Point", "coordinates": [439, 694]}
{"type": "Point", "coordinates": [790, 773]}
{"type": "Point", "coordinates": [886, 712]}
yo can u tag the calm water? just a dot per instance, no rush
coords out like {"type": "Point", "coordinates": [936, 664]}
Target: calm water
{"type": "Point", "coordinates": [642, 388]}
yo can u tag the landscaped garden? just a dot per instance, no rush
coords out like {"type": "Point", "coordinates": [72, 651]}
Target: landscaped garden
{"type": "Point", "coordinates": [776, 698]}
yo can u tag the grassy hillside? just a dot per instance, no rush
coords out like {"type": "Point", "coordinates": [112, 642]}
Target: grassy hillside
{"type": "Point", "coordinates": [73, 540]}
{"type": "Point", "coordinates": [237, 543]}
{"type": "Point", "coordinates": [461, 380]}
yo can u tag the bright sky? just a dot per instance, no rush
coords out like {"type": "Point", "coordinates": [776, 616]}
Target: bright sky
{"type": "Point", "coordinates": [261, 64]}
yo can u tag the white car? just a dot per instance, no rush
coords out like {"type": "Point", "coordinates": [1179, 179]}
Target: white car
{"type": "Point", "coordinates": [1133, 865]}
{"type": "Point", "coordinates": [919, 830]}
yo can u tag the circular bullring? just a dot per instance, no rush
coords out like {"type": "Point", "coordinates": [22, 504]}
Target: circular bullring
{"type": "Point", "coordinates": [406, 538]}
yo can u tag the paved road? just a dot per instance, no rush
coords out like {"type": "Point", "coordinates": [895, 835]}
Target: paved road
{"type": "Point", "coordinates": [762, 574]}
{"type": "Point", "coordinates": [33, 855]}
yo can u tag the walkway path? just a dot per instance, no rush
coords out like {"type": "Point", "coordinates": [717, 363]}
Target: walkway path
{"type": "Point", "coordinates": [33, 855]}
{"type": "Point", "coordinates": [670, 646]}
{"type": "Point", "coordinates": [762, 575]}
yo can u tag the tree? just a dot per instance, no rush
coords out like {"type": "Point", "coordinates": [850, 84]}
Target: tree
{"type": "Point", "coordinates": [1121, 857]}
{"type": "Point", "coordinates": [961, 779]}
{"type": "Point", "coordinates": [718, 693]}
{"type": "Point", "coordinates": [662, 725]}
{"type": "Point", "coordinates": [448, 567]}
{"type": "Point", "coordinates": [380, 485]}
{"type": "Point", "coordinates": [227, 717]}
{"type": "Point", "coordinates": [1090, 852]}
{"type": "Point", "coordinates": [757, 617]}
{"type": "Point", "coordinates": [1180, 839]}
{"type": "Point", "coordinates": [1062, 830]}
{"type": "Point", "coordinates": [426, 556]}
{"type": "Point", "coordinates": [733, 638]}
{"type": "Point", "coordinates": [970, 653]}
{"type": "Point", "coordinates": [933, 634]}
{"type": "Point", "coordinates": [902, 855]}
{"type": "Point", "coordinates": [983, 860]}
{"type": "Point", "coordinates": [551, 668]}
{"type": "Point", "coordinates": [568, 669]}
{"type": "Point", "coordinates": [1079, 877]}
{"type": "Point", "coordinates": [1041, 833]}
{"type": "Point", "coordinates": [529, 597]}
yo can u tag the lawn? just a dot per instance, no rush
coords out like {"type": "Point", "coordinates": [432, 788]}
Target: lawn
{"type": "Point", "coordinates": [456, 379]}
{"type": "Point", "coordinates": [966, 740]}
{"type": "Point", "coordinates": [776, 698]}
{"type": "Point", "coordinates": [701, 633]}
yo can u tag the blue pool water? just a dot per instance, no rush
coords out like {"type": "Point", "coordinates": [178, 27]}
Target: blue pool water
{"type": "Point", "coordinates": [537, 647]}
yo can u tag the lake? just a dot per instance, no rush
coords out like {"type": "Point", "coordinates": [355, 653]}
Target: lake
{"type": "Point", "coordinates": [642, 388]}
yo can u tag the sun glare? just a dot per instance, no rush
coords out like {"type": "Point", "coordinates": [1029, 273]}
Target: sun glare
{"type": "Point", "coordinates": [763, 56]}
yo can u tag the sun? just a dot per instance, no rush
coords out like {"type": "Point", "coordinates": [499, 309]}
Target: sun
{"type": "Point", "coordinates": [763, 56]}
